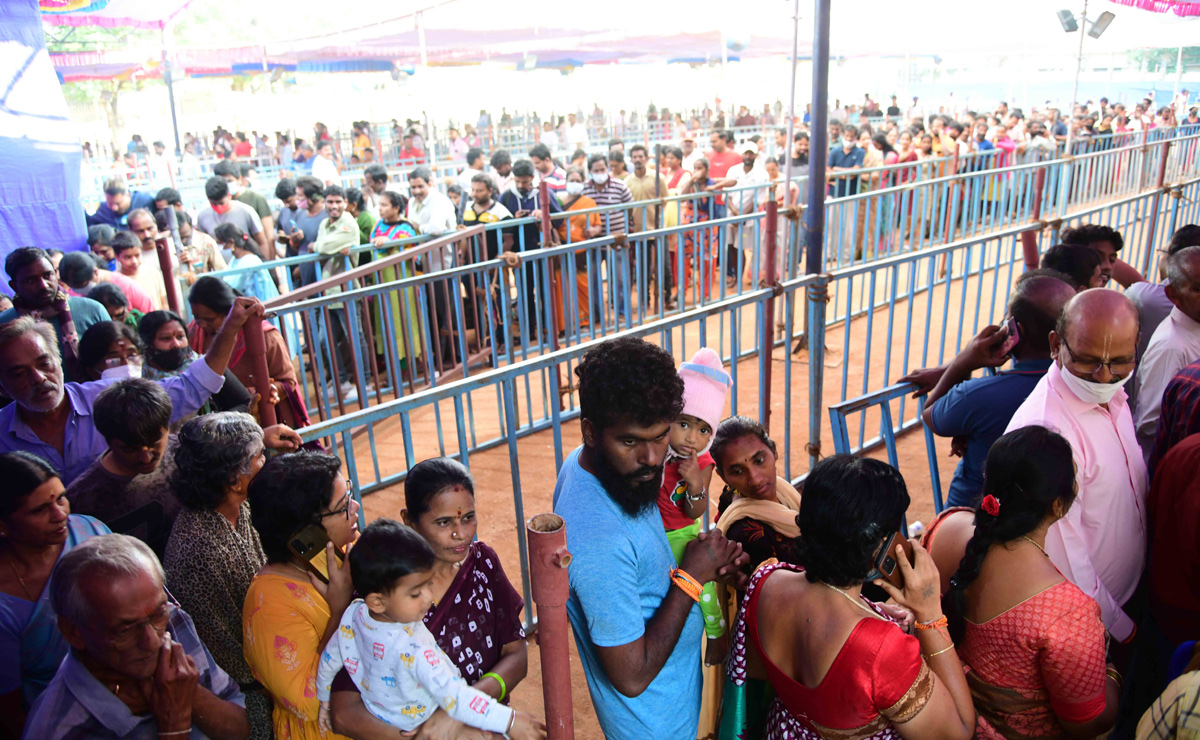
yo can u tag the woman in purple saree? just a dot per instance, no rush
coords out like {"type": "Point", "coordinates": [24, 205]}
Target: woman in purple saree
{"type": "Point", "coordinates": [476, 612]}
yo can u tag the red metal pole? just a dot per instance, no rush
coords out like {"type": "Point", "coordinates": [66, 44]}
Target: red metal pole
{"type": "Point", "coordinates": [162, 246]}
{"type": "Point", "coordinates": [548, 561]}
{"type": "Point", "coordinates": [1029, 238]}
{"type": "Point", "coordinates": [256, 350]}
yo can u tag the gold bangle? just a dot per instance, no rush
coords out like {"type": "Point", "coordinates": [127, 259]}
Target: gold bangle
{"type": "Point", "coordinates": [931, 656]}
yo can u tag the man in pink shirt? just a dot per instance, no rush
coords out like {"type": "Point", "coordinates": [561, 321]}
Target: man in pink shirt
{"type": "Point", "coordinates": [1100, 545]}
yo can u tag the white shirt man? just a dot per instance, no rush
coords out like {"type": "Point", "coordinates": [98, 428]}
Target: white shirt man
{"type": "Point", "coordinates": [577, 137]}
{"type": "Point", "coordinates": [323, 167]}
{"type": "Point", "coordinates": [749, 200]}
{"type": "Point", "coordinates": [433, 214]}
{"type": "Point", "coordinates": [1174, 345]}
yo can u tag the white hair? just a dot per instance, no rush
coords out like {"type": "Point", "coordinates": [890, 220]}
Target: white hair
{"type": "Point", "coordinates": [110, 555]}
{"type": "Point", "coordinates": [17, 328]}
{"type": "Point", "coordinates": [1175, 263]}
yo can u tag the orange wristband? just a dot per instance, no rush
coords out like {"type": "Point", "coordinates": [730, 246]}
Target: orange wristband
{"type": "Point", "coordinates": [935, 624]}
{"type": "Point", "coordinates": [686, 583]}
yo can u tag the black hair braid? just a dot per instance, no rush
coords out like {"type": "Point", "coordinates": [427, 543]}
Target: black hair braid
{"type": "Point", "coordinates": [1026, 471]}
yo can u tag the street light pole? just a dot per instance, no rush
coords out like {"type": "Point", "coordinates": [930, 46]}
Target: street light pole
{"type": "Point", "coordinates": [1075, 90]}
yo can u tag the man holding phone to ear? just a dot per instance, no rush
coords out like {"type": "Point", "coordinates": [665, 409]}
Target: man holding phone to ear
{"type": "Point", "coordinates": [975, 411]}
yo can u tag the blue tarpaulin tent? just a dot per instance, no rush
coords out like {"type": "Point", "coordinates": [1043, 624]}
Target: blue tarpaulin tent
{"type": "Point", "coordinates": [39, 152]}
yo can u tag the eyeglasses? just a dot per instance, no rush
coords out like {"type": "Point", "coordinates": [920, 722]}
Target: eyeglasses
{"type": "Point", "coordinates": [1119, 368]}
{"type": "Point", "coordinates": [127, 636]}
{"type": "Point", "coordinates": [345, 507]}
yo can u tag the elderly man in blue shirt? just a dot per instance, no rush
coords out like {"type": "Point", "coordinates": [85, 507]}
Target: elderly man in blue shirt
{"type": "Point", "coordinates": [976, 411]}
{"type": "Point", "coordinates": [52, 419]}
{"type": "Point", "coordinates": [136, 670]}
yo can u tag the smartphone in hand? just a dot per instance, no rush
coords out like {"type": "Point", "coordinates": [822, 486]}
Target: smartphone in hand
{"type": "Point", "coordinates": [1011, 337]}
{"type": "Point", "coordinates": [308, 544]}
{"type": "Point", "coordinates": [886, 563]}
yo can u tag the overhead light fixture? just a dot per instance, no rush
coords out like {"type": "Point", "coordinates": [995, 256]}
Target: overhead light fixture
{"type": "Point", "coordinates": [1101, 24]}
{"type": "Point", "coordinates": [1067, 19]}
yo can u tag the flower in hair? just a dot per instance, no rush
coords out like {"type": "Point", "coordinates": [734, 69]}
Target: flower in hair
{"type": "Point", "coordinates": [991, 505]}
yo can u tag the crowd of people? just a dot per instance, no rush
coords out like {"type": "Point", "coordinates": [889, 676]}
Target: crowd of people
{"type": "Point", "coordinates": [1047, 601]}
{"type": "Point", "coordinates": [176, 568]}
{"type": "Point", "coordinates": [315, 213]}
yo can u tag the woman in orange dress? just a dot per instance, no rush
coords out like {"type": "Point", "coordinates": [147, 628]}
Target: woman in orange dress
{"type": "Point", "coordinates": [575, 229]}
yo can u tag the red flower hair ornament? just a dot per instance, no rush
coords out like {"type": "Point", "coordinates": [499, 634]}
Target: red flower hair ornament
{"type": "Point", "coordinates": [991, 505]}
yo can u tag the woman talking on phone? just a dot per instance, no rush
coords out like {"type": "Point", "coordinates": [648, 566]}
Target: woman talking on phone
{"type": "Point", "coordinates": [290, 612]}
{"type": "Point", "coordinates": [840, 667]}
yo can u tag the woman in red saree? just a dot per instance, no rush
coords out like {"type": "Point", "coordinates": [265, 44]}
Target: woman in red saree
{"type": "Point", "coordinates": [476, 612]}
{"type": "Point", "coordinates": [840, 667]}
{"type": "Point", "coordinates": [1033, 641]}
{"type": "Point", "coordinates": [210, 299]}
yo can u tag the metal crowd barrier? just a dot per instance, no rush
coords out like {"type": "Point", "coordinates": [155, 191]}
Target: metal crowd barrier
{"type": "Point", "coordinates": [868, 321]}
{"type": "Point", "coordinates": [495, 315]}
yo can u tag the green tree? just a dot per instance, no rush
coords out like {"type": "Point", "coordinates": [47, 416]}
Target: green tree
{"type": "Point", "coordinates": [1164, 60]}
{"type": "Point", "coordinates": [63, 39]}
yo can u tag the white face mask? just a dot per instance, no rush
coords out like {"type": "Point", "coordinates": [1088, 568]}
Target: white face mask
{"type": "Point", "coordinates": [1089, 391]}
{"type": "Point", "coordinates": [574, 188]}
{"type": "Point", "coordinates": [599, 177]}
{"type": "Point", "coordinates": [122, 372]}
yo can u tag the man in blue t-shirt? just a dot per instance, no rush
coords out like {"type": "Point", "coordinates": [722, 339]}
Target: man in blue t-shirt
{"type": "Point", "coordinates": [976, 411]}
{"type": "Point", "coordinates": [636, 626]}
{"type": "Point", "coordinates": [118, 203]}
{"type": "Point", "coordinates": [844, 216]}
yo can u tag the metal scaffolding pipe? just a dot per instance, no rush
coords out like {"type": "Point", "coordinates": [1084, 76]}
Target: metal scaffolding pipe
{"type": "Point", "coordinates": [819, 137]}
{"type": "Point", "coordinates": [1029, 239]}
{"type": "Point", "coordinates": [548, 561]}
{"type": "Point", "coordinates": [770, 278]}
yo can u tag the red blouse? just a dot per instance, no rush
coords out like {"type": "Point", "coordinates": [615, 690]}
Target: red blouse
{"type": "Point", "coordinates": [878, 678]}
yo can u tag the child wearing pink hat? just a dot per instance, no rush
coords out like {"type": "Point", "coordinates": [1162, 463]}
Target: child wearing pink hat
{"type": "Point", "coordinates": [683, 497]}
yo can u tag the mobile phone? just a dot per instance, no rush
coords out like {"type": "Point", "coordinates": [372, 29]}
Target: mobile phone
{"type": "Point", "coordinates": [308, 544]}
{"type": "Point", "coordinates": [885, 561]}
{"type": "Point", "coordinates": [1012, 336]}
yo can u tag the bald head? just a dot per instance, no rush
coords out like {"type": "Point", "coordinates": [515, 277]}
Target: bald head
{"type": "Point", "coordinates": [1096, 326]}
{"type": "Point", "coordinates": [1036, 304]}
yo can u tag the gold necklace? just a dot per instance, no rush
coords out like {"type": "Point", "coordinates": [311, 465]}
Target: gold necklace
{"type": "Point", "coordinates": [12, 563]}
{"type": "Point", "coordinates": [1035, 544]}
{"type": "Point", "coordinates": [851, 599]}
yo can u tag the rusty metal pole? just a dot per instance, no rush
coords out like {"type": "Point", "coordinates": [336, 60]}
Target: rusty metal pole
{"type": "Point", "coordinates": [1152, 231]}
{"type": "Point", "coordinates": [548, 561]}
{"type": "Point", "coordinates": [256, 350]}
{"type": "Point", "coordinates": [162, 246]}
{"type": "Point", "coordinates": [770, 279]}
{"type": "Point", "coordinates": [1029, 238]}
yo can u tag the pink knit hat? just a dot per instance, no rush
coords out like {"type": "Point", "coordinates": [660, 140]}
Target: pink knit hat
{"type": "Point", "coordinates": [705, 387]}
